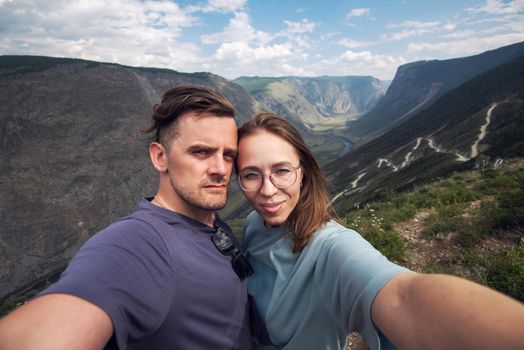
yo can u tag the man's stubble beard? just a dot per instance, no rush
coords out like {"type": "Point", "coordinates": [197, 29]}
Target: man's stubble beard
{"type": "Point", "coordinates": [197, 198]}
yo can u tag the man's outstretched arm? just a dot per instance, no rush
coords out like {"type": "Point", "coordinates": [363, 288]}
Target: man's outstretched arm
{"type": "Point", "coordinates": [429, 311]}
{"type": "Point", "coordinates": [55, 321]}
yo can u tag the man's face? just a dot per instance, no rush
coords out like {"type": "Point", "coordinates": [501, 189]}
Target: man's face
{"type": "Point", "coordinates": [200, 161]}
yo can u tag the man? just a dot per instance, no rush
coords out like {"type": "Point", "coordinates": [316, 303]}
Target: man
{"type": "Point", "coordinates": [162, 277]}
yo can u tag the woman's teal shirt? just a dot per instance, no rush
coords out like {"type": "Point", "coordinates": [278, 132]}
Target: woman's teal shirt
{"type": "Point", "coordinates": [314, 299]}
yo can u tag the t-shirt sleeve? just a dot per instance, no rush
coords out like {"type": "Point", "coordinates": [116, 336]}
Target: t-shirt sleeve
{"type": "Point", "coordinates": [355, 272]}
{"type": "Point", "coordinates": [125, 270]}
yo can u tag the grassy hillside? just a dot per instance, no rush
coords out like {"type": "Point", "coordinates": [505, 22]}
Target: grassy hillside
{"type": "Point", "coordinates": [470, 224]}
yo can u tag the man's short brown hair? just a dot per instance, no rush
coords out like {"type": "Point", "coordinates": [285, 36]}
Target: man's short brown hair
{"type": "Point", "coordinates": [182, 99]}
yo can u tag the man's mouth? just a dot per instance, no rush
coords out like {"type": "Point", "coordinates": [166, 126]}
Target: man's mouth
{"type": "Point", "coordinates": [216, 186]}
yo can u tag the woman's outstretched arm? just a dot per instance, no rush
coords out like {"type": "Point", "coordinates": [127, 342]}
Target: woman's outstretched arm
{"type": "Point", "coordinates": [430, 311]}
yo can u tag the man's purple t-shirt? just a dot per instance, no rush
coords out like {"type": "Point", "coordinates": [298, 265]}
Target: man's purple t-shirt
{"type": "Point", "coordinates": [159, 277]}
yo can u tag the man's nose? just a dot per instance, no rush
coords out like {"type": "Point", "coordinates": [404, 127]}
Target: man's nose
{"type": "Point", "coordinates": [220, 166]}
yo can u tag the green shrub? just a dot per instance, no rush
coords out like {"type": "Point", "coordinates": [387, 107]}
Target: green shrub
{"type": "Point", "coordinates": [470, 234]}
{"type": "Point", "coordinates": [506, 273]}
{"type": "Point", "coordinates": [437, 224]}
{"type": "Point", "coordinates": [499, 182]}
{"type": "Point", "coordinates": [387, 242]}
{"type": "Point", "coordinates": [510, 212]}
{"type": "Point", "coordinates": [505, 212]}
{"type": "Point", "coordinates": [406, 212]}
{"type": "Point", "coordinates": [455, 193]}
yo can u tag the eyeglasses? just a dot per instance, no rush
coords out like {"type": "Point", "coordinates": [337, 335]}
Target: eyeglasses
{"type": "Point", "coordinates": [227, 246]}
{"type": "Point", "coordinates": [282, 177]}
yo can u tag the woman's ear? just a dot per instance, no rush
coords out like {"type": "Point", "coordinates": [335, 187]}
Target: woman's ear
{"type": "Point", "coordinates": [158, 155]}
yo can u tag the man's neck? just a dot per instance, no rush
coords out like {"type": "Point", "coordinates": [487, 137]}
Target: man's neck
{"type": "Point", "coordinates": [206, 217]}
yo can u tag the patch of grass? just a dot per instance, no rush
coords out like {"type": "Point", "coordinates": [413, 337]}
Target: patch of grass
{"type": "Point", "coordinates": [387, 242]}
{"type": "Point", "coordinates": [9, 304]}
{"type": "Point", "coordinates": [377, 231]}
{"type": "Point", "coordinates": [465, 210]}
{"type": "Point", "coordinates": [506, 273]}
{"type": "Point", "coordinates": [495, 182]}
{"type": "Point", "coordinates": [470, 234]}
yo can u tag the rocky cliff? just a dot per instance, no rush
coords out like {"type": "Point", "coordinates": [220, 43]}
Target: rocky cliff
{"type": "Point", "coordinates": [72, 156]}
{"type": "Point", "coordinates": [417, 85]}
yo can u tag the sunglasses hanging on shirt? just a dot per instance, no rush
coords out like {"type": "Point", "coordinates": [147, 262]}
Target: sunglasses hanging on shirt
{"type": "Point", "coordinates": [226, 245]}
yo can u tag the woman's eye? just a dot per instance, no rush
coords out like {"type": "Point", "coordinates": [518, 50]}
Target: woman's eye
{"type": "Point", "coordinates": [251, 176]}
{"type": "Point", "coordinates": [282, 171]}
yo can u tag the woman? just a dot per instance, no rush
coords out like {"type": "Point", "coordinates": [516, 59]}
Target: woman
{"type": "Point", "coordinates": [316, 281]}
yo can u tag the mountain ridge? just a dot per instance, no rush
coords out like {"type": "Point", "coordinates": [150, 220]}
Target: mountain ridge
{"type": "Point", "coordinates": [444, 137]}
{"type": "Point", "coordinates": [312, 100]}
{"type": "Point", "coordinates": [418, 84]}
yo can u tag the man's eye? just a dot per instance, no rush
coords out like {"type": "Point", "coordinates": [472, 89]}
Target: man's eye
{"type": "Point", "coordinates": [230, 157]}
{"type": "Point", "coordinates": [202, 152]}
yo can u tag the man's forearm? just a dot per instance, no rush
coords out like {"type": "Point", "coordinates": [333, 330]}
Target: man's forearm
{"type": "Point", "coordinates": [419, 311]}
{"type": "Point", "coordinates": [55, 321]}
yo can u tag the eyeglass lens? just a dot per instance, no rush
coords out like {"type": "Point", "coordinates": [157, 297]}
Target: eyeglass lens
{"type": "Point", "coordinates": [281, 177]}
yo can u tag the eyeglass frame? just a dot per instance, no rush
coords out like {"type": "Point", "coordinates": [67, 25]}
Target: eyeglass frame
{"type": "Point", "coordinates": [263, 176]}
{"type": "Point", "coordinates": [226, 245]}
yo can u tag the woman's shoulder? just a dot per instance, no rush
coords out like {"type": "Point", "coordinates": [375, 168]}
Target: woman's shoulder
{"type": "Point", "coordinates": [253, 222]}
{"type": "Point", "coordinates": [334, 230]}
{"type": "Point", "coordinates": [337, 236]}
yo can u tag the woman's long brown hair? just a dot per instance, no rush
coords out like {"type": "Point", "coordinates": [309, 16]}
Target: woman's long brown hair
{"type": "Point", "coordinates": [313, 207]}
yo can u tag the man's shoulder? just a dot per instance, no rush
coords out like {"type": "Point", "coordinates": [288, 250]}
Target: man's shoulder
{"type": "Point", "coordinates": [128, 229]}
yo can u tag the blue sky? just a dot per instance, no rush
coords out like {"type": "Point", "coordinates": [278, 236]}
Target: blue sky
{"type": "Point", "coordinates": [235, 38]}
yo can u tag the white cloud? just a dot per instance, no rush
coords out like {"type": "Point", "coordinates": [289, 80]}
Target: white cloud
{"type": "Point", "coordinates": [304, 26]}
{"type": "Point", "coordinates": [416, 25]}
{"type": "Point", "coordinates": [244, 54]}
{"type": "Point", "coordinates": [468, 46]}
{"type": "Point", "coordinates": [498, 7]}
{"type": "Point", "coordinates": [357, 12]}
{"type": "Point", "coordinates": [220, 6]}
{"type": "Point", "coordinates": [166, 33]}
{"type": "Point", "coordinates": [352, 44]}
{"type": "Point", "coordinates": [360, 63]}
{"type": "Point", "coordinates": [460, 34]}
{"type": "Point", "coordinates": [288, 69]}
{"type": "Point", "coordinates": [239, 29]}
{"type": "Point", "coordinates": [130, 32]}
{"type": "Point", "coordinates": [415, 28]}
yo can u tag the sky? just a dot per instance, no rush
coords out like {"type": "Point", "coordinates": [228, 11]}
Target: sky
{"type": "Point", "coordinates": [234, 38]}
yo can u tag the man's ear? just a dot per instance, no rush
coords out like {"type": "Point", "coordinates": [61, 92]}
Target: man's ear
{"type": "Point", "coordinates": [158, 155]}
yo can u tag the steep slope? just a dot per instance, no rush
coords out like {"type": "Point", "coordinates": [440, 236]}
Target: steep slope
{"type": "Point", "coordinates": [482, 118]}
{"type": "Point", "coordinates": [417, 85]}
{"type": "Point", "coordinates": [72, 157]}
{"type": "Point", "coordinates": [313, 100]}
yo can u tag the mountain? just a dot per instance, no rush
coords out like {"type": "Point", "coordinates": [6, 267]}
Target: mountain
{"type": "Point", "coordinates": [72, 157]}
{"type": "Point", "coordinates": [313, 101]}
{"type": "Point", "coordinates": [417, 85]}
{"type": "Point", "coordinates": [481, 119]}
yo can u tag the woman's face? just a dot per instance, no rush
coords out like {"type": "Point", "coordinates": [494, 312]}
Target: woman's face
{"type": "Point", "coordinates": [265, 153]}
